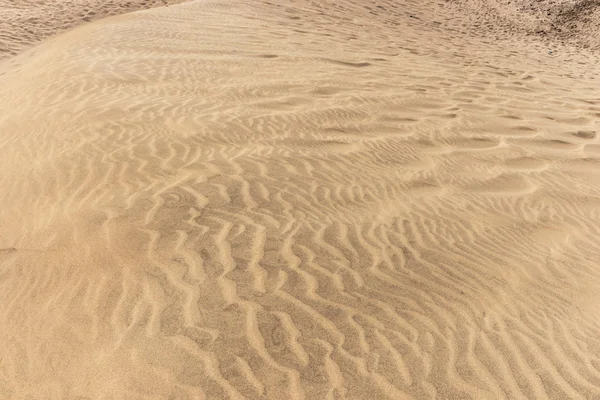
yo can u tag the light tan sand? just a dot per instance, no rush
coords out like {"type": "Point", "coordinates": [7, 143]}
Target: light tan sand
{"type": "Point", "coordinates": [27, 22]}
{"type": "Point", "coordinates": [298, 200]}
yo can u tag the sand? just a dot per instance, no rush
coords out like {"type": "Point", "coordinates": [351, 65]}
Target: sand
{"type": "Point", "coordinates": [24, 23]}
{"type": "Point", "coordinates": [229, 199]}
{"type": "Point", "coordinates": [553, 22]}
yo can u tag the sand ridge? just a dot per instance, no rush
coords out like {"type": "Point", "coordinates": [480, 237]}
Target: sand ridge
{"type": "Point", "coordinates": [24, 23]}
{"type": "Point", "coordinates": [290, 200]}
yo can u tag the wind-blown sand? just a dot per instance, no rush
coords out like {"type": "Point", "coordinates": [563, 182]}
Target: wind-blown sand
{"type": "Point", "coordinates": [27, 22]}
{"type": "Point", "coordinates": [299, 200]}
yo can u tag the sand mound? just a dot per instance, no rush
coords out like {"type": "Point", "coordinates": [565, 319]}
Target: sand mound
{"type": "Point", "coordinates": [290, 200]}
{"type": "Point", "coordinates": [27, 22]}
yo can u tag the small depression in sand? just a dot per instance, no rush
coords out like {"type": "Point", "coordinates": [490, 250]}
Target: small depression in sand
{"type": "Point", "coordinates": [512, 131]}
{"type": "Point", "coordinates": [550, 145]}
{"type": "Point", "coordinates": [586, 135]}
{"type": "Point", "coordinates": [475, 144]}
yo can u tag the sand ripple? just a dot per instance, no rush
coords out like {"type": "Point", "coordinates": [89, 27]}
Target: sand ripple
{"type": "Point", "coordinates": [326, 200]}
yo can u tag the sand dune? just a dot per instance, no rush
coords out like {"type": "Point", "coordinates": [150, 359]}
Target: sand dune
{"type": "Point", "coordinates": [227, 199]}
{"type": "Point", "coordinates": [24, 23]}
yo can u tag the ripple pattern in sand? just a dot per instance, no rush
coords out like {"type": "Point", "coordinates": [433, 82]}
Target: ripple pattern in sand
{"type": "Point", "coordinates": [195, 208]}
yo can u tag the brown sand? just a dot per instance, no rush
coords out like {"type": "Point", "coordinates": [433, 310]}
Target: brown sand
{"type": "Point", "coordinates": [565, 22]}
{"type": "Point", "coordinates": [230, 199]}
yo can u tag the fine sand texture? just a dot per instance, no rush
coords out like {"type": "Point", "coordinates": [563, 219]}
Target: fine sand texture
{"type": "Point", "coordinates": [229, 199]}
{"type": "Point", "coordinates": [572, 22]}
{"type": "Point", "coordinates": [27, 22]}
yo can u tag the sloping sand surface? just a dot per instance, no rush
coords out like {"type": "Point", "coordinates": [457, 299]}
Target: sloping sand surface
{"type": "Point", "coordinates": [24, 23]}
{"type": "Point", "coordinates": [298, 200]}
{"type": "Point", "coordinates": [573, 22]}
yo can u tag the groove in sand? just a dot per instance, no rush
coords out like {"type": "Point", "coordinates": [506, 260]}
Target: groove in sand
{"type": "Point", "coordinates": [239, 200]}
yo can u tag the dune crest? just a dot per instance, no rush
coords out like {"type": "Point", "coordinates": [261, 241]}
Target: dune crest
{"type": "Point", "coordinates": [296, 200]}
{"type": "Point", "coordinates": [24, 23]}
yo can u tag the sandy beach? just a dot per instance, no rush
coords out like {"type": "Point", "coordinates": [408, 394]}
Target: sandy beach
{"type": "Point", "coordinates": [339, 199]}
